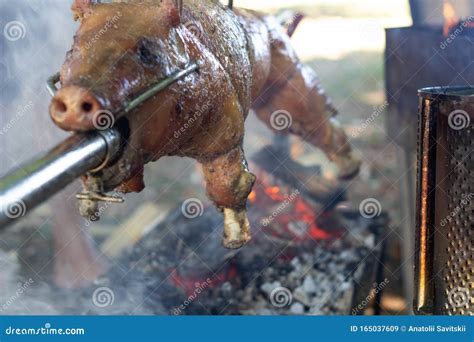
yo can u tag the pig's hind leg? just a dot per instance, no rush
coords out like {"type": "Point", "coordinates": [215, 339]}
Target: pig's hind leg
{"type": "Point", "coordinates": [293, 101]}
{"type": "Point", "coordinates": [229, 183]}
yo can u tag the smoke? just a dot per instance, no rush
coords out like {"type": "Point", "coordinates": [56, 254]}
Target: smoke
{"type": "Point", "coordinates": [34, 37]}
{"type": "Point", "coordinates": [17, 296]}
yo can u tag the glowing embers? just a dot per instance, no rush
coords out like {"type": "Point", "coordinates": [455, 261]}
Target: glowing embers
{"type": "Point", "coordinates": [196, 284]}
{"type": "Point", "coordinates": [283, 213]}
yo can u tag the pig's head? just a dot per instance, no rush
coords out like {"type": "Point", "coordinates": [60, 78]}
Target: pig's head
{"type": "Point", "coordinates": [119, 51]}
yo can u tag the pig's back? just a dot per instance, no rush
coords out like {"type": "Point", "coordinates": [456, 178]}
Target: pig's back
{"type": "Point", "coordinates": [220, 31]}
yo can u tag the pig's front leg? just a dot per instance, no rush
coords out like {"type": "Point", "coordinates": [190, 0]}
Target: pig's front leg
{"type": "Point", "coordinates": [229, 183]}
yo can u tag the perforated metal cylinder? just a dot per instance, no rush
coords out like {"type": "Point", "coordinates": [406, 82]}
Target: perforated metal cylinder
{"type": "Point", "coordinates": [444, 267]}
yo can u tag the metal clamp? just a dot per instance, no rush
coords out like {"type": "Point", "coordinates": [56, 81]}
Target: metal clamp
{"type": "Point", "coordinates": [112, 141]}
{"type": "Point", "coordinates": [98, 197]}
{"type": "Point", "coordinates": [91, 196]}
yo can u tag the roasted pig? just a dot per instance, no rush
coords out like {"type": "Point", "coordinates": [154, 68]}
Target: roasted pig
{"type": "Point", "coordinates": [245, 61]}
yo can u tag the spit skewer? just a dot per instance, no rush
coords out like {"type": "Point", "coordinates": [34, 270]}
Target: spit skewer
{"type": "Point", "coordinates": [30, 185]}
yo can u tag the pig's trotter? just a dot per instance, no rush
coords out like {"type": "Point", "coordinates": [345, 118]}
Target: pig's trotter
{"type": "Point", "coordinates": [236, 228]}
{"type": "Point", "coordinates": [229, 183]}
{"type": "Point", "coordinates": [347, 162]}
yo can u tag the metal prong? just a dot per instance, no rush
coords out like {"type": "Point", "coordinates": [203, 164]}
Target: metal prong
{"type": "Point", "coordinates": [166, 82]}
{"type": "Point", "coordinates": [231, 4]}
{"type": "Point", "coordinates": [51, 84]}
{"type": "Point", "coordinates": [99, 197]}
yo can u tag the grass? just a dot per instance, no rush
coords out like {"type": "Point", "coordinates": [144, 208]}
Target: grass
{"type": "Point", "coordinates": [352, 77]}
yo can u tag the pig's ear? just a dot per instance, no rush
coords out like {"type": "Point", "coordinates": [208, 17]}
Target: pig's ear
{"type": "Point", "coordinates": [173, 9]}
{"type": "Point", "coordinates": [82, 8]}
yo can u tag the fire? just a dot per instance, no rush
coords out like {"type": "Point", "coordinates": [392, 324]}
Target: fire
{"type": "Point", "coordinates": [274, 193]}
{"type": "Point", "coordinates": [252, 196]}
{"type": "Point", "coordinates": [189, 285]}
{"type": "Point", "coordinates": [450, 18]}
{"type": "Point", "coordinates": [284, 213]}
{"type": "Point", "coordinates": [309, 216]}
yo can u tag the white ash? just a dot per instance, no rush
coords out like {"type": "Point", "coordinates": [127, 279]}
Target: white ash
{"type": "Point", "coordinates": [297, 309]}
{"type": "Point", "coordinates": [268, 288]}
{"type": "Point", "coordinates": [308, 284]}
{"type": "Point", "coordinates": [322, 283]}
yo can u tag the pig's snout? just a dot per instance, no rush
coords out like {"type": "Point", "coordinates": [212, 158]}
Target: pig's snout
{"type": "Point", "coordinates": [73, 109]}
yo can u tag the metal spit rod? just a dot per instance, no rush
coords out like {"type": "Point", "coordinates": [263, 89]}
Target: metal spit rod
{"type": "Point", "coordinates": [30, 185]}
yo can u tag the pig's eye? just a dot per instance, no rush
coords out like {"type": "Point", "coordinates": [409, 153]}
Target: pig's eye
{"type": "Point", "coordinates": [146, 55]}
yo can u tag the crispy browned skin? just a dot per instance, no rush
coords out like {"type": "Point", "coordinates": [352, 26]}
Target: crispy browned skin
{"type": "Point", "coordinates": [245, 60]}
